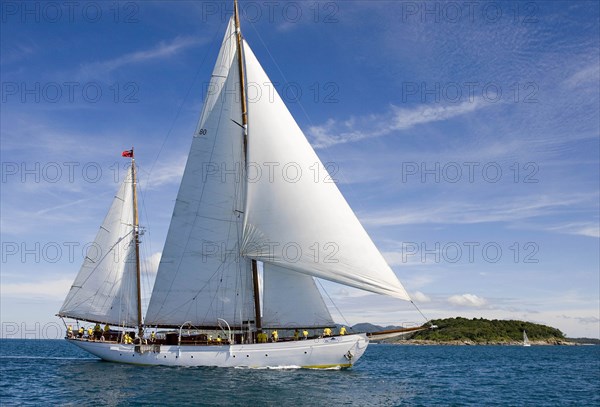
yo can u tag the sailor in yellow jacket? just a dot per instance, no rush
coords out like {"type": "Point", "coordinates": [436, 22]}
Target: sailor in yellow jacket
{"type": "Point", "coordinates": [327, 332]}
{"type": "Point", "coordinates": [343, 330]}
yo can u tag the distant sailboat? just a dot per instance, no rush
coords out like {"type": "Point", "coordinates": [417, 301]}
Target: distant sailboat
{"type": "Point", "coordinates": [222, 226]}
{"type": "Point", "coordinates": [525, 339]}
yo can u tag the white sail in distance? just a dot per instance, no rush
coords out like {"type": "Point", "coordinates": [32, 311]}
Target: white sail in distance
{"type": "Point", "coordinates": [295, 215]}
{"type": "Point", "coordinates": [105, 289]}
{"type": "Point", "coordinates": [202, 277]}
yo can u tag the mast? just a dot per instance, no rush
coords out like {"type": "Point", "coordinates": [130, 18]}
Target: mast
{"type": "Point", "coordinates": [136, 233]}
{"type": "Point", "coordinates": [257, 317]}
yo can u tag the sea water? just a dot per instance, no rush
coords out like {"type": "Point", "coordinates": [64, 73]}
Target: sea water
{"type": "Point", "coordinates": [54, 372]}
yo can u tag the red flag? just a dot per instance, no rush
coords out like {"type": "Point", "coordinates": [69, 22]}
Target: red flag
{"type": "Point", "coordinates": [127, 153]}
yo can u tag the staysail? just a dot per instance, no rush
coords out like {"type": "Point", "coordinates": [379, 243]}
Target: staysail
{"type": "Point", "coordinates": [292, 300]}
{"type": "Point", "coordinates": [105, 289]}
{"type": "Point", "coordinates": [202, 277]}
{"type": "Point", "coordinates": [295, 215]}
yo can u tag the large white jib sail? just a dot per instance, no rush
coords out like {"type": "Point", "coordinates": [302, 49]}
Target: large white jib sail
{"type": "Point", "coordinates": [296, 216]}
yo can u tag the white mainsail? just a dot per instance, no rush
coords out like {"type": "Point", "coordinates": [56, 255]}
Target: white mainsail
{"type": "Point", "coordinates": [105, 287]}
{"type": "Point", "coordinates": [295, 215]}
{"type": "Point", "coordinates": [292, 300]}
{"type": "Point", "coordinates": [201, 277]}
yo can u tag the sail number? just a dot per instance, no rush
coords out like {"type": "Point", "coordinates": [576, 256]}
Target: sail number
{"type": "Point", "coordinates": [202, 132]}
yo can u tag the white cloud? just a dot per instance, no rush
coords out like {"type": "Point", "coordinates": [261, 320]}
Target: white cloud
{"type": "Point", "coordinates": [590, 229]}
{"type": "Point", "coordinates": [150, 264]}
{"type": "Point", "coordinates": [405, 259]}
{"type": "Point", "coordinates": [470, 213]}
{"type": "Point", "coordinates": [467, 300]}
{"type": "Point", "coordinates": [50, 289]}
{"type": "Point", "coordinates": [162, 50]}
{"type": "Point", "coordinates": [166, 172]}
{"type": "Point", "coordinates": [418, 296]}
{"type": "Point", "coordinates": [376, 125]}
{"type": "Point", "coordinates": [16, 52]}
{"type": "Point", "coordinates": [588, 75]}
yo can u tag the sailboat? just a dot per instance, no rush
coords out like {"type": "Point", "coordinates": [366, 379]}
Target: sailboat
{"type": "Point", "coordinates": [525, 339]}
{"type": "Point", "coordinates": [252, 227]}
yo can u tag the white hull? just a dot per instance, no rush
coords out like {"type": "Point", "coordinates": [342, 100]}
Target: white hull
{"type": "Point", "coordinates": [320, 353]}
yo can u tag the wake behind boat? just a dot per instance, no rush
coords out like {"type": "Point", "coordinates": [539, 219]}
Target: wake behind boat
{"type": "Point", "coordinates": [211, 305]}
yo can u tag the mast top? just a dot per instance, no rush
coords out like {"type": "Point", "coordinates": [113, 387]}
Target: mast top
{"type": "Point", "coordinates": [240, 55]}
{"type": "Point", "coordinates": [236, 16]}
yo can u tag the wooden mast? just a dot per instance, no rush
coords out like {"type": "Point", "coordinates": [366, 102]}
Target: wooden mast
{"type": "Point", "coordinates": [238, 32]}
{"type": "Point", "coordinates": [136, 232]}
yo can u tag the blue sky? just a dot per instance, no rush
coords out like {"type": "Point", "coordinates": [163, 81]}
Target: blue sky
{"type": "Point", "coordinates": [465, 137]}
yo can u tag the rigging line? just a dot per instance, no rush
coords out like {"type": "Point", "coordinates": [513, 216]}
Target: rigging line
{"type": "Point", "coordinates": [347, 182]}
{"type": "Point", "coordinates": [104, 257]}
{"type": "Point", "coordinates": [208, 51]}
{"type": "Point", "coordinates": [280, 71]}
{"type": "Point", "coordinates": [334, 304]}
{"type": "Point", "coordinates": [146, 247]}
{"type": "Point", "coordinates": [415, 305]}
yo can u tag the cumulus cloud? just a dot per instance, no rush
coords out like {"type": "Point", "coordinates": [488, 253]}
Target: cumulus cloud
{"type": "Point", "coordinates": [418, 296]}
{"type": "Point", "coordinates": [467, 300]}
{"type": "Point", "coordinates": [150, 264]}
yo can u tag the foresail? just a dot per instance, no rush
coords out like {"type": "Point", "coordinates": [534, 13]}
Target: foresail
{"type": "Point", "coordinates": [292, 300]}
{"type": "Point", "coordinates": [201, 277]}
{"type": "Point", "coordinates": [295, 215]}
{"type": "Point", "coordinates": [105, 290]}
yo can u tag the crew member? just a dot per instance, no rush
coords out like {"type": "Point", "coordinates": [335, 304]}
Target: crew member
{"type": "Point", "coordinates": [327, 332]}
{"type": "Point", "coordinates": [97, 331]}
{"type": "Point", "coordinates": [343, 330]}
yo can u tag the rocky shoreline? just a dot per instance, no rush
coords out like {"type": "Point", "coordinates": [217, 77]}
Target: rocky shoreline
{"type": "Point", "coordinates": [467, 342]}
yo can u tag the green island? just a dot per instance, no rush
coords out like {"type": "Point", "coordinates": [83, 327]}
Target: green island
{"type": "Point", "coordinates": [480, 331]}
